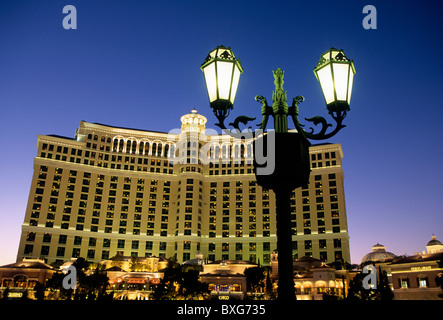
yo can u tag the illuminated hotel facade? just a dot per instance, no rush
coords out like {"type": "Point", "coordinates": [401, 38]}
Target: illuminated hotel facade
{"type": "Point", "coordinates": [114, 190]}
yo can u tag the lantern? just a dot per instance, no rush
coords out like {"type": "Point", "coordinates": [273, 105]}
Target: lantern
{"type": "Point", "coordinates": [335, 73]}
{"type": "Point", "coordinates": [222, 74]}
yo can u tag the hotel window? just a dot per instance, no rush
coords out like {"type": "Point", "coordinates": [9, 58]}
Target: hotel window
{"type": "Point", "coordinates": [105, 254]}
{"type": "Point", "coordinates": [322, 243]}
{"type": "Point", "coordinates": [404, 283]}
{"type": "Point", "coordinates": [423, 282]}
{"type": "Point", "coordinates": [76, 252]}
{"type": "Point", "coordinates": [30, 236]}
{"type": "Point", "coordinates": [337, 243]}
{"type": "Point", "coordinates": [47, 237]}
{"type": "Point", "coordinates": [28, 249]}
{"type": "Point", "coordinates": [60, 251]}
{"type": "Point", "coordinates": [323, 256]}
{"type": "Point", "coordinates": [187, 245]}
{"type": "Point", "coordinates": [91, 254]}
{"type": "Point", "coordinates": [186, 256]}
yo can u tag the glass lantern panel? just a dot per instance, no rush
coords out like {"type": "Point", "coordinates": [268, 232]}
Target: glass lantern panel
{"type": "Point", "coordinates": [211, 82]}
{"type": "Point", "coordinates": [224, 77]}
{"type": "Point", "coordinates": [341, 73]}
{"type": "Point", "coordinates": [351, 80]}
{"type": "Point", "coordinates": [235, 81]}
{"type": "Point", "coordinates": [327, 86]}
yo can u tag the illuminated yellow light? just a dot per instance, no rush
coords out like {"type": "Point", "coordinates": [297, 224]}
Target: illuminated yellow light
{"type": "Point", "coordinates": [341, 72]}
{"type": "Point", "coordinates": [235, 80]}
{"type": "Point", "coordinates": [224, 72]}
{"type": "Point", "coordinates": [211, 82]}
{"type": "Point", "coordinates": [326, 83]}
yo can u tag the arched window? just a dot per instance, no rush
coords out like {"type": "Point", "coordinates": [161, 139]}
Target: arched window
{"type": "Point", "coordinates": [128, 146]}
{"type": "Point", "coordinates": [172, 151]}
{"type": "Point", "coordinates": [114, 148]}
{"type": "Point", "coordinates": [121, 144]}
{"type": "Point", "coordinates": [89, 136]}
{"type": "Point", "coordinates": [141, 147]}
{"type": "Point", "coordinates": [108, 140]}
{"type": "Point", "coordinates": [249, 150]}
{"type": "Point", "coordinates": [146, 148]}
{"type": "Point", "coordinates": [134, 147]}
{"type": "Point", "coordinates": [236, 151]}
{"type": "Point", "coordinates": [95, 137]}
{"type": "Point", "coordinates": [166, 150]}
{"type": "Point", "coordinates": [154, 149]}
{"type": "Point", "coordinates": [159, 150]}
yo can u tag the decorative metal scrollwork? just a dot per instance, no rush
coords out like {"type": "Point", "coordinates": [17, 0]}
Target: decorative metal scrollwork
{"type": "Point", "coordinates": [280, 108]}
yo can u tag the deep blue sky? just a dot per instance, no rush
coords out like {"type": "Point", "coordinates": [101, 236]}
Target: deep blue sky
{"type": "Point", "coordinates": [136, 64]}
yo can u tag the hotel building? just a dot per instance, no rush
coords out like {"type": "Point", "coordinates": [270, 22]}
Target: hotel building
{"type": "Point", "coordinates": [112, 190]}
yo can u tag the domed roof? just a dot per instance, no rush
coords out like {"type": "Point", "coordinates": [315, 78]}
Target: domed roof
{"type": "Point", "coordinates": [434, 246]}
{"type": "Point", "coordinates": [434, 242]}
{"type": "Point", "coordinates": [378, 254]}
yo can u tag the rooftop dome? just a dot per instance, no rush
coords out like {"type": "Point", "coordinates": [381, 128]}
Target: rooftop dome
{"type": "Point", "coordinates": [378, 254]}
{"type": "Point", "coordinates": [193, 122]}
{"type": "Point", "coordinates": [434, 242]}
{"type": "Point", "coordinates": [434, 246]}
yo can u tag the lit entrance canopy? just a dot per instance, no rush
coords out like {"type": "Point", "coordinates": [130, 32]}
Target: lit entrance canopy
{"type": "Point", "coordinates": [222, 74]}
{"type": "Point", "coordinates": [335, 73]}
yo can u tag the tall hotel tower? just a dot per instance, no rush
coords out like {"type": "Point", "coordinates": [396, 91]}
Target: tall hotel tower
{"type": "Point", "coordinates": [114, 190]}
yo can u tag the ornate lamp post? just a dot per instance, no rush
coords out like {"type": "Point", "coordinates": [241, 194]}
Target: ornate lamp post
{"type": "Point", "coordinates": [290, 150]}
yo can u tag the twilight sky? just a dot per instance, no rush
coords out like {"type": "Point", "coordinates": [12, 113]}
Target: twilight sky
{"type": "Point", "coordinates": [137, 64]}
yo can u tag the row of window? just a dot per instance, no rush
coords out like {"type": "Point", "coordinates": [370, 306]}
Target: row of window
{"type": "Point", "coordinates": [421, 282]}
{"type": "Point", "coordinates": [186, 245]}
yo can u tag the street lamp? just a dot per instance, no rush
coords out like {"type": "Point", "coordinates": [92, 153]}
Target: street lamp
{"type": "Point", "coordinates": [335, 73]}
{"type": "Point", "coordinates": [289, 149]}
{"type": "Point", "coordinates": [222, 74]}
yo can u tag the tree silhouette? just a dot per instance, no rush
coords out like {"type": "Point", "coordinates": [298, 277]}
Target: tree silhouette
{"type": "Point", "coordinates": [254, 278]}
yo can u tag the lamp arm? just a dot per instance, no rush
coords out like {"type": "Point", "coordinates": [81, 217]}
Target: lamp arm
{"type": "Point", "coordinates": [337, 114]}
{"type": "Point", "coordinates": [266, 111]}
{"type": "Point", "coordinates": [293, 112]}
{"type": "Point", "coordinates": [338, 117]}
{"type": "Point", "coordinates": [237, 133]}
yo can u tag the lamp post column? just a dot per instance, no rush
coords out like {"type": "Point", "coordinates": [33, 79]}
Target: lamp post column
{"type": "Point", "coordinates": [284, 244]}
